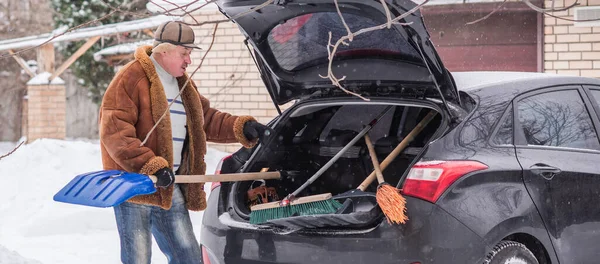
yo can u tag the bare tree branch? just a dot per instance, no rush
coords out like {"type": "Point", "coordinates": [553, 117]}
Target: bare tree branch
{"type": "Point", "coordinates": [7, 55]}
{"type": "Point", "coordinates": [542, 10]}
{"type": "Point", "coordinates": [206, 22]}
{"type": "Point", "coordinates": [336, 81]}
{"type": "Point", "coordinates": [213, 21]}
{"type": "Point", "coordinates": [188, 13]}
{"type": "Point", "coordinates": [488, 15]}
{"type": "Point", "coordinates": [388, 15]}
{"type": "Point", "coordinates": [161, 7]}
{"type": "Point", "coordinates": [351, 36]}
{"type": "Point", "coordinates": [136, 14]}
{"type": "Point", "coordinates": [258, 7]}
{"type": "Point", "coordinates": [203, 5]}
{"type": "Point", "coordinates": [178, 7]}
{"type": "Point", "coordinates": [552, 9]}
{"type": "Point", "coordinates": [12, 151]}
{"type": "Point", "coordinates": [233, 79]}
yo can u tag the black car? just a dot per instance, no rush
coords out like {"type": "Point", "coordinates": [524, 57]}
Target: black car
{"type": "Point", "coordinates": [505, 172]}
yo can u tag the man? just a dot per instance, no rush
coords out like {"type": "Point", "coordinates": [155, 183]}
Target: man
{"type": "Point", "coordinates": [134, 102]}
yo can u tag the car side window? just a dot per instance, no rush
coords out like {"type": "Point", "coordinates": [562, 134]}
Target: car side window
{"type": "Point", "coordinates": [596, 95]}
{"type": "Point", "coordinates": [557, 118]}
{"type": "Point", "coordinates": [504, 135]}
{"type": "Point", "coordinates": [355, 117]}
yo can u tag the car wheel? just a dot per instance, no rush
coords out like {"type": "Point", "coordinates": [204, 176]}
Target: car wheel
{"type": "Point", "coordinates": [510, 252]}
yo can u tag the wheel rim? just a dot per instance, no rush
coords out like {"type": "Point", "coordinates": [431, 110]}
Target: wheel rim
{"type": "Point", "coordinates": [516, 260]}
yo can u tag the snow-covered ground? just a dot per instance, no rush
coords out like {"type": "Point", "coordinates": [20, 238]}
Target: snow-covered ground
{"type": "Point", "coordinates": [36, 229]}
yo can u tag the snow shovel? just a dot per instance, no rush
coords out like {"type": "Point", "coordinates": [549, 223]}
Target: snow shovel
{"type": "Point", "coordinates": [108, 188]}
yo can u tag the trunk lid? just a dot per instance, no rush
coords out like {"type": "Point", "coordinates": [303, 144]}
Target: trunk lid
{"type": "Point", "coordinates": [290, 39]}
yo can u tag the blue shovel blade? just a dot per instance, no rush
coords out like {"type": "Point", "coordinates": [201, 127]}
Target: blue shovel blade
{"type": "Point", "coordinates": [104, 188]}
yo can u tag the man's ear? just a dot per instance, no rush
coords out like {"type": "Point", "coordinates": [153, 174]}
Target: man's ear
{"type": "Point", "coordinates": [166, 52]}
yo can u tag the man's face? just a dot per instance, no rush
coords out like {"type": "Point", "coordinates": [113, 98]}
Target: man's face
{"type": "Point", "coordinates": [176, 60]}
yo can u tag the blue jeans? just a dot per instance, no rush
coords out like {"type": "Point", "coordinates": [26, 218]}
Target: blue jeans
{"type": "Point", "coordinates": [172, 230]}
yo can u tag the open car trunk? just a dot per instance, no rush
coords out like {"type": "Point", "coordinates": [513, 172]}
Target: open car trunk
{"type": "Point", "coordinates": [308, 135]}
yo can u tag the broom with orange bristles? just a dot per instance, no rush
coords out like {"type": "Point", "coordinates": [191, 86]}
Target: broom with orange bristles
{"type": "Point", "coordinates": [388, 197]}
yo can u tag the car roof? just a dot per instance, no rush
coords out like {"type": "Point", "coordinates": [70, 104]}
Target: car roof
{"type": "Point", "coordinates": [469, 81]}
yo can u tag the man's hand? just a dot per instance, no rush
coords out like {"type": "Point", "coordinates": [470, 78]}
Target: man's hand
{"type": "Point", "coordinates": [165, 177]}
{"type": "Point", "coordinates": [254, 130]}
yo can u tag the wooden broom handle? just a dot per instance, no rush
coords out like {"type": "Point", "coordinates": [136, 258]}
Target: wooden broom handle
{"type": "Point", "coordinates": [373, 155]}
{"type": "Point", "coordinates": [407, 140]}
{"type": "Point", "coordinates": [233, 177]}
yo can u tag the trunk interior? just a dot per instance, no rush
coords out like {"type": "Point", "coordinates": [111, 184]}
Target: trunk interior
{"type": "Point", "coordinates": [310, 135]}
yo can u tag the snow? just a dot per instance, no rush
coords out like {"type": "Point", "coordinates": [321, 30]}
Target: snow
{"type": "Point", "coordinates": [472, 80]}
{"type": "Point", "coordinates": [43, 79]}
{"type": "Point", "coordinates": [36, 229]}
{"type": "Point", "coordinates": [84, 33]}
{"type": "Point", "coordinates": [126, 48]}
{"type": "Point", "coordinates": [11, 257]}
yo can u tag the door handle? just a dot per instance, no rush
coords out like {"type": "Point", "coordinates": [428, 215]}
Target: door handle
{"type": "Point", "coordinates": [546, 171]}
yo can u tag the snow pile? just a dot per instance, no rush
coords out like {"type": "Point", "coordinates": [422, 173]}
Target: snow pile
{"type": "Point", "coordinates": [11, 257]}
{"type": "Point", "coordinates": [38, 228]}
{"type": "Point", "coordinates": [44, 79]}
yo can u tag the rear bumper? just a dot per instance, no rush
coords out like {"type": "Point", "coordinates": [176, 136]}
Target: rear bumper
{"type": "Point", "coordinates": [430, 236]}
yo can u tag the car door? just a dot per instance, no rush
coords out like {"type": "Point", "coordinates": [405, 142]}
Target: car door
{"type": "Point", "coordinates": [557, 146]}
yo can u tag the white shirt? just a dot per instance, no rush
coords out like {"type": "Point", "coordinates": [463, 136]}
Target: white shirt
{"type": "Point", "coordinates": [176, 111]}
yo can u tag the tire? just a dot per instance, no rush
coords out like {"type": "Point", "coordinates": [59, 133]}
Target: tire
{"type": "Point", "coordinates": [510, 252]}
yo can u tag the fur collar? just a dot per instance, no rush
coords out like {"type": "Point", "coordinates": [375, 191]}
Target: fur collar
{"type": "Point", "coordinates": [158, 100]}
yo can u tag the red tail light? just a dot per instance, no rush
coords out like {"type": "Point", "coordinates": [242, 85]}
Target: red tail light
{"type": "Point", "coordinates": [428, 180]}
{"type": "Point", "coordinates": [218, 171]}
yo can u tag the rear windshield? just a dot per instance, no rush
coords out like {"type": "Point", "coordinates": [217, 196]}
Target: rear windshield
{"type": "Point", "coordinates": [302, 41]}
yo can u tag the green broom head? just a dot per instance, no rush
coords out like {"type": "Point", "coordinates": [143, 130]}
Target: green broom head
{"type": "Point", "coordinates": [328, 206]}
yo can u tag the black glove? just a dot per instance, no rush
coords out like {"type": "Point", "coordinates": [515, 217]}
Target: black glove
{"type": "Point", "coordinates": [254, 130]}
{"type": "Point", "coordinates": [165, 177]}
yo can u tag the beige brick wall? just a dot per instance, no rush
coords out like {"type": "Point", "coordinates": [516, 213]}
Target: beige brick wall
{"type": "Point", "coordinates": [46, 113]}
{"type": "Point", "coordinates": [228, 76]}
{"type": "Point", "coordinates": [24, 115]}
{"type": "Point", "coordinates": [570, 49]}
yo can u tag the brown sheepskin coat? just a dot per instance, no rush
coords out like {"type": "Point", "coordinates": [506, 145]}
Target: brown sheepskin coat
{"type": "Point", "coordinates": [133, 103]}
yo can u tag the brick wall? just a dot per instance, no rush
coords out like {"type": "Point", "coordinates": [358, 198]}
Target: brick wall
{"type": "Point", "coordinates": [228, 76]}
{"type": "Point", "coordinates": [46, 113]}
{"type": "Point", "coordinates": [570, 49]}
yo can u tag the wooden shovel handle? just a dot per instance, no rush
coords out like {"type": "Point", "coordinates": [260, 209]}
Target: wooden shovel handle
{"type": "Point", "coordinates": [374, 160]}
{"type": "Point", "coordinates": [269, 175]}
{"type": "Point", "coordinates": [407, 140]}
